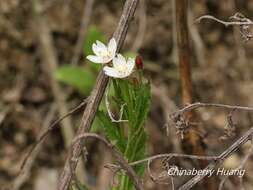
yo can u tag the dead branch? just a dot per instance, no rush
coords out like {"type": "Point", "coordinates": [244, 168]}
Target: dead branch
{"type": "Point", "coordinates": [247, 136]}
{"type": "Point", "coordinates": [237, 19]}
{"type": "Point", "coordinates": [226, 23]}
{"type": "Point", "coordinates": [241, 166]}
{"type": "Point", "coordinates": [215, 105]}
{"type": "Point", "coordinates": [118, 156]}
{"type": "Point", "coordinates": [169, 155]}
{"type": "Point", "coordinates": [182, 125]}
{"type": "Point", "coordinates": [95, 98]}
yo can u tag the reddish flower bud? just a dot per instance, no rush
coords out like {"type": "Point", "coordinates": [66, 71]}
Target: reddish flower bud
{"type": "Point", "coordinates": [138, 62]}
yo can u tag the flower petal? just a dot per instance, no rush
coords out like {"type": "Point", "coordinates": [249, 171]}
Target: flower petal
{"type": "Point", "coordinates": [95, 59]}
{"type": "Point", "coordinates": [102, 47]}
{"type": "Point", "coordinates": [122, 59]}
{"type": "Point", "coordinates": [112, 46]}
{"type": "Point", "coordinates": [130, 64]}
{"type": "Point", "coordinates": [109, 71]}
{"type": "Point", "coordinates": [97, 50]}
{"type": "Point", "coordinates": [118, 61]}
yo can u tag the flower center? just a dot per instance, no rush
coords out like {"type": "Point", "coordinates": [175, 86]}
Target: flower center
{"type": "Point", "coordinates": [121, 68]}
{"type": "Point", "coordinates": [103, 53]}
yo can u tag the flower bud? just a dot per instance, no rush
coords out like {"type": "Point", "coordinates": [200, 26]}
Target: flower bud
{"type": "Point", "coordinates": [138, 62]}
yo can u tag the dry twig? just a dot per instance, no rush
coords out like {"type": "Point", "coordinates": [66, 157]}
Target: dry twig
{"type": "Point", "coordinates": [241, 166]}
{"type": "Point", "coordinates": [224, 106]}
{"type": "Point", "coordinates": [229, 23]}
{"type": "Point", "coordinates": [182, 125]}
{"type": "Point", "coordinates": [237, 19]}
{"type": "Point", "coordinates": [247, 136]}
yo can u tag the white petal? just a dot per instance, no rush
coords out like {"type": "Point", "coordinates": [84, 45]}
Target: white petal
{"type": "Point", "coordinates": [122, 59]}
{"type": "Point", "coordinates": [109, 71]}
{"type": "Point", "coordinates": [130, 64]}
{"type": "Point", "coordinates": [102, 47]}
{"type": "Point", "coordinates": [96, 49]}
{"type": "Point", "coordinates": [112, 46]}
{"type": "Point", "coordinates": [95, 59]}
{"type": "Point", "coordinates": [118, 60]}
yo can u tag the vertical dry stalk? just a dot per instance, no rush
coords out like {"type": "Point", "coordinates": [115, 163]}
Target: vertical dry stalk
{"type": "Point", "coordinates": [192, 140]}
{"type": "Point", "coordinates": [95, 98]}
{"type": "Point", "coordinates": [183, 51]}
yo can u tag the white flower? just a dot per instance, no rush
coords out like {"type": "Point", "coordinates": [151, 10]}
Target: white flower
{"type": "Point", "coordinates": [122, 68]}
{"type": "Point", "coordinates": [103, 53]}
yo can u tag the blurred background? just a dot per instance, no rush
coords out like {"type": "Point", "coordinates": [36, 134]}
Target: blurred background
{"type": "Point", "coordinates": [44, 74]}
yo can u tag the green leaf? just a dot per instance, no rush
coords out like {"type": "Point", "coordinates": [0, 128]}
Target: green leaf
{"type": "Point", "coordinates": [142, 103]}
{"type": "Point", "coordinates": [112, 131]}
{"type": "Point", "coordinates": [77, 77]}
{"type": "Point", "coordinates": [136, 146]}
{"type": "Point", "coordinates": [95, 128]}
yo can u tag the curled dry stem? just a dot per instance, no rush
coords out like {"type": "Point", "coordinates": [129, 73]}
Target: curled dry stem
{"type": "Point", "coordinates": [107, 104]}
{"type": "Point", "coordinates": [118, 156]}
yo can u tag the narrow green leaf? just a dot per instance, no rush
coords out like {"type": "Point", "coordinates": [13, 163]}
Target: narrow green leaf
{"type": "Point", "coordinates": [96, 125]}
{"type": "Point", "coordinates": [136, 147]}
